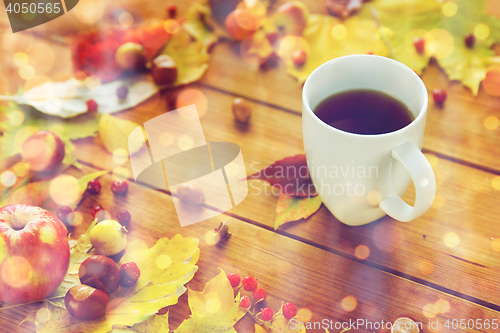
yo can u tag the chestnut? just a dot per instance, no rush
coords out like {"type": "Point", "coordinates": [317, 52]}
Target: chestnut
{"type": "Point", "coordinates": [101, 273]}
{"type": "Point", "coordinates": [242, 110]}
{"type": "Point", "coordinates": [86, 303]}
{"type": "Point", "coordinates": [164, 70]}
{"type": "Point", "coordinates": [130, 274]}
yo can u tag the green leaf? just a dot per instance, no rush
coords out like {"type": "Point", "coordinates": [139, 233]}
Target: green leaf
{"type": "Point", "coordinates": [114, 133]}
{"type": "Point", "coordinates": [295, 208]}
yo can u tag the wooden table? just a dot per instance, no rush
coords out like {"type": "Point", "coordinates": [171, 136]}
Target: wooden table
{"type": "Point", "coordinates": [412, 269]}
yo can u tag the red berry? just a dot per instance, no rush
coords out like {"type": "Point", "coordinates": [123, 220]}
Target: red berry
{"type": "Point", "coordinates": [234, 279]}
{"type": "Point", "coordinates": [130, 274]}
{"type": "Point", "coordinates": [94, 186]}
{"type": "Point", "coordinates": [119, 187]}
{"type": "Point", "coordinates": [172, 10]}
{"type": "Point", "coordinates": [63, 212]}
{"type": "Point", "coordinates": [369, 52]}
{"type": "Point", "coordinates": [470, 40]}
{"type": "Point", "coordinates": [249, 283]}
{"type": "Point", "coordinates": [96, 209]}
{"type": "Point", "coordinates": [439, 95]}
{"type": "Point", "coordinates": [123, 217]}
{"type": "Point", "coordinates": [91, 106]}
{"type": "Point", "coordinates": [245, 302]}
{"type": "Point", "coordinates": [266, 314]}
{"type": "Point", "coordinates": [289, 310]}
{"type": "Point", "coordinates": [299, 57]}
{"type": "Point", "coordinates": [419, 44]}
{"type": "Point", "coordinates": [122, 92]}
{"type": "Point", "coordinates": [259, 294]}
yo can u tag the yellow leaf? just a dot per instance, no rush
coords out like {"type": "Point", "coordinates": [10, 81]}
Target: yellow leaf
{"type": "Point", "coordinates": [165, 268]}
{"type": "Point", "coordinates": [295, 208]}
{"type": "Point", "coordinates": [213, 310]}
{"type": "Point", "coordinates": [114, 133]}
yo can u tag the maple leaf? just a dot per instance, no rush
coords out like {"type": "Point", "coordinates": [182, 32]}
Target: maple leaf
{"type": "Point", "coordinates": [213, 310]}
{"type": "Point", "coordinates": [165, 268]}
{"type": "Point", "coordinates": [38, 193]}
{"type": "Point", "coordinates": [290, 174]}
{"type": "Point", "coordinates": [291, 209]}
{"type": "Point", "coordinates": [114, 133]}
{"type": "Point", "coordinates": [387, 28]}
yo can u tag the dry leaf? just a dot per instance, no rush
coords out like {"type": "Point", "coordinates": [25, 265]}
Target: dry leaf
{"type": "Point", "coordinates": [114, 133]}
{"type": "Point", "coordinates": [68, 99]}
{"type": "Point", "coordinates": [214, 310]}
{"type": "Point", "coordinates": [295, 208]}
{"type": "Point", "coordinates": [165, 268]}
{"type": "Point", "coordinates": [290, 175]}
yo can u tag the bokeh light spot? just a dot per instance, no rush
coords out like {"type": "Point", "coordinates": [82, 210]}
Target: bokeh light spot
{"type": "Point", "coordinates": [64, 190]}
{"type": "Point", "coordinates": [304, 315]}
{"type": "Point", "coordinates": [362, 252]}
{"type": "Point", "coordinates": [449, 9]}
{"type": "Point", "coordinates": [121, 172]}
{"type": "Point", "coordinates": [429, 310]}
{"type": "Point", "coordinates": [495, 244]}
{"type": "Point", "coordinates": [349, 303]}
{"type": "Point", "coordinates": [439, 43]}
{"type": "Point", "coordinates": [20, 59]}
{"type": "Point", "coordinates": [43, 315]}
{"type": "Point", "coordinates": [90, 11]}
{"type": "Point", "coordinates": [438, 201]}
{"type": "Point", "coordinates": [491, 82]}
{"type": "Point", "coordinates": [339, 32]}
{"type": "Point", "coordinates": [432, 159]}
{"type": "Point", "coordinates": [384, 34]}
{"type": "Point", "coordinates": [16, 271]}
{"type": "Point", "coordinates": [21, 169]}
{"type": "Point", "coordinates": [171, 26]}
{"type": "Point", "coordinates": [75, 219]}
{"type": "Point", "coordinates": [374, 198]}
{"type": "Point", "coordinates": [8, 178]}
{"type": "Point", "coordinates": [193, 96]}
{"type": "Point", "coordinates": [16, 117]}
{"type": "Point", "coordinates": [120, 156]}
{"type": "Point", "coordinates": [163, 261]}
{"type": "Point", "coordinates": [166, 139]}
{"type": "Point", "coordinates": [185, 142]}
{"type": "Point", "coordinates": [491, 123]}
{"type": "Point", "coordinates": [495, 183]}
{"type": "Point", "coordinates": [212, 238]}
{"type": "Point", "coordinates": [481, 31]}
{"type": "Point", "coordinates": [451, 239]}
{"type": "Point", "coordinates": [26, 72]}
{"type": "Point", "coordinates": [125, 19]}
{"type": "Point", "coordinates": [442, 306]}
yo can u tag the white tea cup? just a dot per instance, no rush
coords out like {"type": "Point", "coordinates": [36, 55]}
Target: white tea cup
{"type": "Point", "coordinates": [361, 178]}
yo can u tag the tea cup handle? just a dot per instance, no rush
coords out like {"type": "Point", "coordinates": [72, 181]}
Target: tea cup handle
{"type": "Point", "coordinates": [422, 176]}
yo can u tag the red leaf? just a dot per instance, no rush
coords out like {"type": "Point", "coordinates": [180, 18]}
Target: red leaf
{"type": "Point", "coordinates": [94, 51]}
{"type": "Point", "coordinates": [290, 175]}
{"type": "Point", "coordinates": [343, 8]}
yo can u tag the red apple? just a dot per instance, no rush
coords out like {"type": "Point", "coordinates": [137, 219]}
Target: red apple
{"type": "Point", "coordinates": [292, 18]}
{"type": "Point", "coordinates": [34, 253]}
{"type": "Point", "coordinates": [44, 151]}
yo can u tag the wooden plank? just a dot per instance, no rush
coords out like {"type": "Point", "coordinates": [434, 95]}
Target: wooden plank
{"type": "Point", "coordinates": [288, 269]}
{"type": "Point", "coordinates": [467, 199]}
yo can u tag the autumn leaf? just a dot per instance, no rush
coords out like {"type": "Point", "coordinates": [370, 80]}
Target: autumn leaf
{"type": "Point", "coordinates": [295, 208]}
{"type": "Point", "coordinates": [156, 324]}
{"type": "Point", "coordinates": [39, 193]}
{"type": "Point", "coordinates": [290, 175]}
{"type": "Point", "coordinates": [165, 268]}
{"type": "Point", "coordinates": [388, 27]}
{"type": "Point", "coordinates": [114, 133]}
{"type": "Point", "coordinates": [280, 324]}
{"type": "Point", "coordinates": [190, 56]}
{"type": "Point", "coordinates": [213, 310]}
{"type": "Point", "coordinates": [196, 25]}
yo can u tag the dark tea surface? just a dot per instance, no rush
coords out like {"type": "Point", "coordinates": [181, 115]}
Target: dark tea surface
{"type": "Point", "coordinates": [364, 112]}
